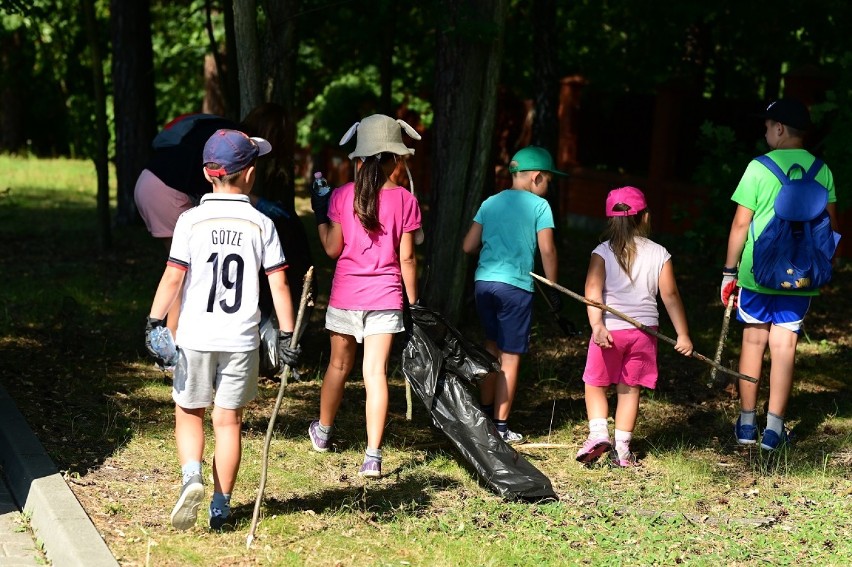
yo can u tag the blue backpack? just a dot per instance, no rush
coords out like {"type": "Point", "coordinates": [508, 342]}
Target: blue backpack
{"type": "Point", "coordinates": [795, 249]}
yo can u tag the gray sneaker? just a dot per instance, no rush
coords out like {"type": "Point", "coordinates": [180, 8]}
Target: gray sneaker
{"type": "Point", "coordinates": [511, 437]}
{"type": "Point", "coordinates": [185, 511]}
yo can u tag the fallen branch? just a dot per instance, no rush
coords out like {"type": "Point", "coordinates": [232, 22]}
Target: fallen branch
{"type": "Point", "coordinates": [641, 327]}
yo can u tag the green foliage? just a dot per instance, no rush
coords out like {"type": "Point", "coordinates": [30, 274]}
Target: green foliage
{"type": "Point", "coordinates": [344, 101]}
{"type": "Point", "coordinates": [180, 42]}
{"type": "Point", "coordinates": [721, 167]}
{"type": "Point", "coordinates": [835, 116]}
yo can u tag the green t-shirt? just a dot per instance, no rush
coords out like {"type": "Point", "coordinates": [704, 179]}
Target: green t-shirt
{"type": "Point", "coordinates": [757, 191]}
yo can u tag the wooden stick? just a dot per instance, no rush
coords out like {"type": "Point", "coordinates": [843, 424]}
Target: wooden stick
{"type": "Point", "coordinates": [303, 302]}
{"type": "Point", "coordinates": [726, 320]}
{"type": "Point", "coordinates": [641, 327]}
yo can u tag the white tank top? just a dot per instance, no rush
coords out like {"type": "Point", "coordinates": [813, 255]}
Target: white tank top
{"type": "Point", "coordinates": [637, 298]}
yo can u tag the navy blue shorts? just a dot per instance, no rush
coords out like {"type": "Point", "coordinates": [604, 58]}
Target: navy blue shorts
{"type": "Point", "coordinates": [505, 312]}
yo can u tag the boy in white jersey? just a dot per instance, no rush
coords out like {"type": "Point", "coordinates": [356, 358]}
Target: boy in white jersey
{"type": "Point", "coordinates": [217, 251]}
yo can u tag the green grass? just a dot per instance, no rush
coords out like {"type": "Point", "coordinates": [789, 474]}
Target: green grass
{"type": "Point", "coordinates": [71, 353]}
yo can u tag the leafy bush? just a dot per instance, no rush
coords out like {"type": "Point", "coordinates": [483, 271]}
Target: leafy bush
{"type": "Point", "coordinates": [719, 171]}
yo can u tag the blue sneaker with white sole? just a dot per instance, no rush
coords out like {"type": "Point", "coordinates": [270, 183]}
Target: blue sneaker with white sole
{"type": "Point", "coordinates": [746, 434]}
{"type": "Point", "coordinates": [771, 440]}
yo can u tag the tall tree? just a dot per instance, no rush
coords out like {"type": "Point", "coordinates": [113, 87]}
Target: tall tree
{"type": "Point", "coordinates": [133, 100]}
{"type": "Point", "coordinates": [281, 62]}
{"type": "Point", "coordinates": [469, 51]}
{"type": "Point", "coordinates": [248, 55]}
{"type": "Point", "coordinates": [101, 157]}
{"type": "Point", "coordinates": [545, 128]}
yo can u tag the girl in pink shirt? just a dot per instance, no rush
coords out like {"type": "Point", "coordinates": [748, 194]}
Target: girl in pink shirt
{"type": "Point", "coordinates": [626, 272]}
{"type": "Point", "coordinates": [369, 227]}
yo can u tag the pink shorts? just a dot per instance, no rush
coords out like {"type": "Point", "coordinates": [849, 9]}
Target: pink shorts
{"type": "Point", "coordinates": [159, 204]}
{"type": "Point", "coordinates": [631, 360]}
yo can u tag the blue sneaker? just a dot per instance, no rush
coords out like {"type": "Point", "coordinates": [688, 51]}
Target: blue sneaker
{"type": "Point", "coordinates": [218, 521]}
{"type": "Point", "coordinates": [745, 434]}
{"type": "Point", "coordinates": [772, 441]}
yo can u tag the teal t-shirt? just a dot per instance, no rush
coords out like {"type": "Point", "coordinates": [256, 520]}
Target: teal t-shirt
{"type": "Point", "coordinates": [757, 191]}
{"type": "Point", "coordinates": [510, 221]}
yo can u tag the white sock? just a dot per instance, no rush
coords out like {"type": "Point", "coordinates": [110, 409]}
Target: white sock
{"type": "Point", "coordinates": [189, 470]}
{"type": "Point", "coordinates": [622, 442]}
{"type": "Point", "coordinates": [747, 417]}
{"type": "Point", "coordinates": [598, 428]}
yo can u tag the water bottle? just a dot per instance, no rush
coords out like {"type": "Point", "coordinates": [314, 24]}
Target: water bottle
{"type": "Point", "coordinates": [164, 345]}
{"type": "Point", "coordinates": [320, 186]}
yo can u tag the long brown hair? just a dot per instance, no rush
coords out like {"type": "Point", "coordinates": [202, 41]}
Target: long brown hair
{"type": "Point", "coordinates": [273, 170]}
{"type": "Point", "coordinates": [622, 233]}
{"type": "Point", "coordinates": [370, 177]}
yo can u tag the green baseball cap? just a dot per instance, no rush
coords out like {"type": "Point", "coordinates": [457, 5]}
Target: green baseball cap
{"type": "Point", "coordinates": [534, 158]}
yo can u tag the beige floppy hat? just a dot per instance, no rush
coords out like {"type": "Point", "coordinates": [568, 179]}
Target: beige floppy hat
{"type": "Point", "coordinates": [379, 133]}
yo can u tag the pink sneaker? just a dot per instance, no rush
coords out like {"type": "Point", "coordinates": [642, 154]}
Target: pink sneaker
{"type": "Point", "coordinates": [592, 449]}
{"type": "Point", "coordinates": [627, 461]}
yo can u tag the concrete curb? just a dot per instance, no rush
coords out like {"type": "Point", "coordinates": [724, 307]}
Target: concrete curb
{"type": "Point", "coordinates": [56, 516]}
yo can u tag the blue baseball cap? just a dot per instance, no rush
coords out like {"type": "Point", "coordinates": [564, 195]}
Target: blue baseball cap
{"type": "Point", "coordinates": [534, 158]}
{"type": "Point", "coordinates": [232, 151]}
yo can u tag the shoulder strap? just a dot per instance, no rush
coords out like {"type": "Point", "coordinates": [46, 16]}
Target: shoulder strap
{"type": "Point", "coordinates": [773, 167]}
{"type": "Point", "coordinates": [814, 169]}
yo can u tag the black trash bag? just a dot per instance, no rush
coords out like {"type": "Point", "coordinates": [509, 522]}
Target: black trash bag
{"type": "Point", "coordinates": [297, 252]}
{"type": "Point", "coordinates": [437, 361]}
{"type": "Point", "coordinates": [268, 366]}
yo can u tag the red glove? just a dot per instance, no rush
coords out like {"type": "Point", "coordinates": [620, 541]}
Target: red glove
{"type": "Point", "coordinates": [729, 285]}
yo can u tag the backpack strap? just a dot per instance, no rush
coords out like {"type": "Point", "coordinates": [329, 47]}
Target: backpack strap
{"type": "Point", "coordinates": [814, 169]}
{"type": "Point", "coordinates": [773, 167]}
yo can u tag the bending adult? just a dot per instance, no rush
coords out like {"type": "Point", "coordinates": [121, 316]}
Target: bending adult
{"type": "Point", "coordinates": [173, 180]}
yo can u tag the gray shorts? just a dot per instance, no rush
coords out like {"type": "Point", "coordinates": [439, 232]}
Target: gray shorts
{"type": "Point", "coordinates": [231, 376]}
{"type": "Point", "coordinates": [362, 324]}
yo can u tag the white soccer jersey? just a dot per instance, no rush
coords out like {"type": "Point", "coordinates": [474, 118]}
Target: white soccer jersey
{"type": "Point", "coordinates": [222, 244]}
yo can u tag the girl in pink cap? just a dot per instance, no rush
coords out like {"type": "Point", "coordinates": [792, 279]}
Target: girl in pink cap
{"type": "Point", "coordinates": [626, 272]}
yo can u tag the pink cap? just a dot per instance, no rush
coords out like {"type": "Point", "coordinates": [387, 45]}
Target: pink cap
{"type": "Point", "coordinates": [630, 196]}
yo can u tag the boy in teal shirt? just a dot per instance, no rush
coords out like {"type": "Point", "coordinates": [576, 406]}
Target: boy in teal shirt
{"type": "Point", "coordinates": [506, 231]}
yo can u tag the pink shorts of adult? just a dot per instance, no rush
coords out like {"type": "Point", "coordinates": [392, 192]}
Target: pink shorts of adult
{"type": "Point", "coordinates": [631, 360]}
{"type": "Point", "coordinates": [159, 204]}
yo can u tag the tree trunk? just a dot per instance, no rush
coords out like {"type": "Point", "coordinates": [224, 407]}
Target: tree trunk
{"type": "Point", "coordinates": [133, 100]}
{"type": "Point", "coordinates": [469, 52]}
{"type": "Point", "coordinates": [14, 63]}
{"type": "Point", "coordinates": [545, 128]}
{"type": "Point", "coordinates": [282, 45]}
{"type": "Point", "coordinates": [388, 18]}
{"type": "Point", "coordinates": [232, 79]}
{"type": "Point", "coordinates": [248, 55]}
{"type": "Point", "coordinates": [101, 134]}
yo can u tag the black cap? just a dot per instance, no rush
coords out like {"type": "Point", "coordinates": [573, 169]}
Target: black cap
{"type": "Point", "coordinates": [789, 112]}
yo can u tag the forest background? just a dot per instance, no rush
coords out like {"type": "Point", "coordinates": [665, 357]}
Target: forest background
{"type": "Point", "coordinates": [658, 95]}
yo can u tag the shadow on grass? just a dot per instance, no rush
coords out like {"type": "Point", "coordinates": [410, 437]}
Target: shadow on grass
{"type": "Point", "coordinates": [383, 500]}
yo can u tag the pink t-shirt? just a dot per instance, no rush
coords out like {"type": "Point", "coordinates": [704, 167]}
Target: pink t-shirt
{"type": "Point", "coordinates": [368, 275]}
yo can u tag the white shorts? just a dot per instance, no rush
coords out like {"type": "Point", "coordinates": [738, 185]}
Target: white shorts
{"type": "Point", "coordinates": [360, 324]}
{"type": "Point", "coordinates": [232, 376]}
